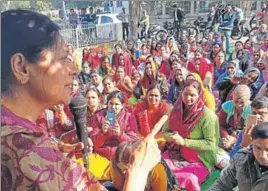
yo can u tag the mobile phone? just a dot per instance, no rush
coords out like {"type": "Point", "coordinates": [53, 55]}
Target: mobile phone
{"type": "Point", "coordinates": [111, 116]}
{"type": "Point", "coordinates": [251, 120]}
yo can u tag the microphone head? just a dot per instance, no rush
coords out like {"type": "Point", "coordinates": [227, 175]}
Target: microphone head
{"type": "Point", "coordinates": [78, 107]}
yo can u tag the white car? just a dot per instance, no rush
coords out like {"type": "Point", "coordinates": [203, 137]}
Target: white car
{"type": "Point", "coordinates": [105, 18]}
{"type": "Point", "coordinates": [107, 25]}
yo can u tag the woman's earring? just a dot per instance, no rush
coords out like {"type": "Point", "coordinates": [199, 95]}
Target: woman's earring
{"type": "Point", "coordinates": [22, 80]}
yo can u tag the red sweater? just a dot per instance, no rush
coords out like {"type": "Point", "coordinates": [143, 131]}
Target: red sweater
{"type": "Point", "coordinates": [106, 144]}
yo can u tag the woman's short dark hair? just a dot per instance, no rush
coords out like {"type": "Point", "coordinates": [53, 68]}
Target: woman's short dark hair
{"type": "Point", "coordinates": [95, 71]}
{"type": "Point", "coordinates": [194, 83]}
{"type": "Point", "coordinates": [118, 45]}
{"type": "Point", "coordinates": [259, 103]}
{"type": "Point", "coordinates": [124, 151]}
{"type": "Point", "coordinates": [77, 79]}
{"type": "Point", "coordinates": [239, 42]}
{"type": "Point", "coordinates": [94, 89]}
{"type": "Point", "coordinates": [154, 85]}
{"type": "Point", "coordinates": [116, 94]}
{"type": "Point", "coordinates": [104, 58]}
{"type": "Point", "coordinates": [260, 131]}
{"type": "Point", "coordinates": [144, 45]}
{"type": "Point", "coordinates": [108, 77]}
{"type": "Point", "coordinates": [25, 32]}
{"type": "Point", "coordinates": [86, 62]}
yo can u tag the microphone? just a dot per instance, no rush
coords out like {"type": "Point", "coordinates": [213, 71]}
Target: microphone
{"type": "Point", "coordinates": [78, 107]}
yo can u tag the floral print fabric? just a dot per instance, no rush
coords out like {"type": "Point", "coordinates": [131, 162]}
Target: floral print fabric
{"type": "Point", "coordinates": [31, 160]}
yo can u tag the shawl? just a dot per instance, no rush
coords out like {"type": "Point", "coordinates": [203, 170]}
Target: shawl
{"type": "Point", "coordinates": [229, 108]}
{"type": "Point", "coordinates": [204, 67]}
{"type": "Point", "coordinates": [185, 125]}
{"type": "Point", "coordinates": [208, 97]}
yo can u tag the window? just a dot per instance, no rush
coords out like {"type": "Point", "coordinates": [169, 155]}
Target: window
{"type": "Point", "coordinates": [254, 6]}
{"type": "Point", "coordinates": [205, 6]}
{"type": "Point", "coordinates": [110, 3]}
{"type": "Point", "coordinates": [119, 3]}
{"type": "Point", "coordinates": [106, 19]}
{"type": "Point", "coordinates": [184, 5]}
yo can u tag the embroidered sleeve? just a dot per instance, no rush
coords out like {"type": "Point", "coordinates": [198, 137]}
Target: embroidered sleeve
{"type": "Point", "coordinates": [33, 162]}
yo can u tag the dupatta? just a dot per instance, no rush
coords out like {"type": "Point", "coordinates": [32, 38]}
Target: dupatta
{"type": "Point", "coordinates": [184, 124]}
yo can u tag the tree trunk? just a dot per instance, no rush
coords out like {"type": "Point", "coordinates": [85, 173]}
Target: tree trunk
{"type": "Point", "coordinates": [133, 18]}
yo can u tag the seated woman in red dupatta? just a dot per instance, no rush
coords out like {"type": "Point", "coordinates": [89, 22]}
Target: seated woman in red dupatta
{"type": "Point", "coordinates": [175, 64]}
{"type": "Point", "coordinates": [105, 67]}
{"type": "Point", "coordinates": [96, 80]}
{"type": "Point", "coordinates": [157, 49]}
{"type": "Point", "coordinates": [123, 81]}
{"type": "Point", "coordinates": [76, 87]}
{"type": "Point", "coordinates": [177, 84]}
{"type": "Point", "coordinates": [203, 67]}
{"type": "Point", "coordinates": [109, 87]}
{"type": "Point", "coordinates": [95, 60]}
{"type": "Point", "coordinates": [116, 56]}
{"type": "Point", "coordinates": [149, 77]}
{"type": "Point", "coordinates": [151, 114]}
{"type": "Point", "coordinates": [129, 68]}
{"type": "Point", "coordinates": [171, 45]}
{"type": "Point", "coordinates": [85, 54]}
{"type": "Point", "coordinates": [106, 137]}
{"type": "Point", "coordinates": [94, 102]}
{"type": "Point", "coordinates": [193, 133]}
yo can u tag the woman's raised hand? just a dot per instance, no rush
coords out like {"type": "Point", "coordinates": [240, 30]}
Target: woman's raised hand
{"type": "Point", "coordinates": [147, 155]}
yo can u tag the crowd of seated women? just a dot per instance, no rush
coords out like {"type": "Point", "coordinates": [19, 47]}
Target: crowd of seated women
{"type": "Point", "coordinates": [192, 93]}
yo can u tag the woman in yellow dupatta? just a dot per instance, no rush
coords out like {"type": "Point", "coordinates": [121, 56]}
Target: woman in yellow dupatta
{"type": "Point", "coordinates": [208, 97]}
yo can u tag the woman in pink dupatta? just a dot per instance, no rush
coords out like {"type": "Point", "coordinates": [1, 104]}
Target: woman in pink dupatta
{"type": "Point", "coordinates": [193, 133]}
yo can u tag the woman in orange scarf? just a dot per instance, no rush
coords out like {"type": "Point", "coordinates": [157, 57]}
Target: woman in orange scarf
{"type": "Point", "coordinates": [151, 114]}
{"type": "Point", "coordinates": [208, 97]}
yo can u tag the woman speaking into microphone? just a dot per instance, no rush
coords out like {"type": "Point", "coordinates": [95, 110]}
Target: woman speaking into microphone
{"type": "Point", "coordinates": [37, 74]}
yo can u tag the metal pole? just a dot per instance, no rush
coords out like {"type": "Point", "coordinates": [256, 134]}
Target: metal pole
{"type": "Point", "coordinates": [64, 12]}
